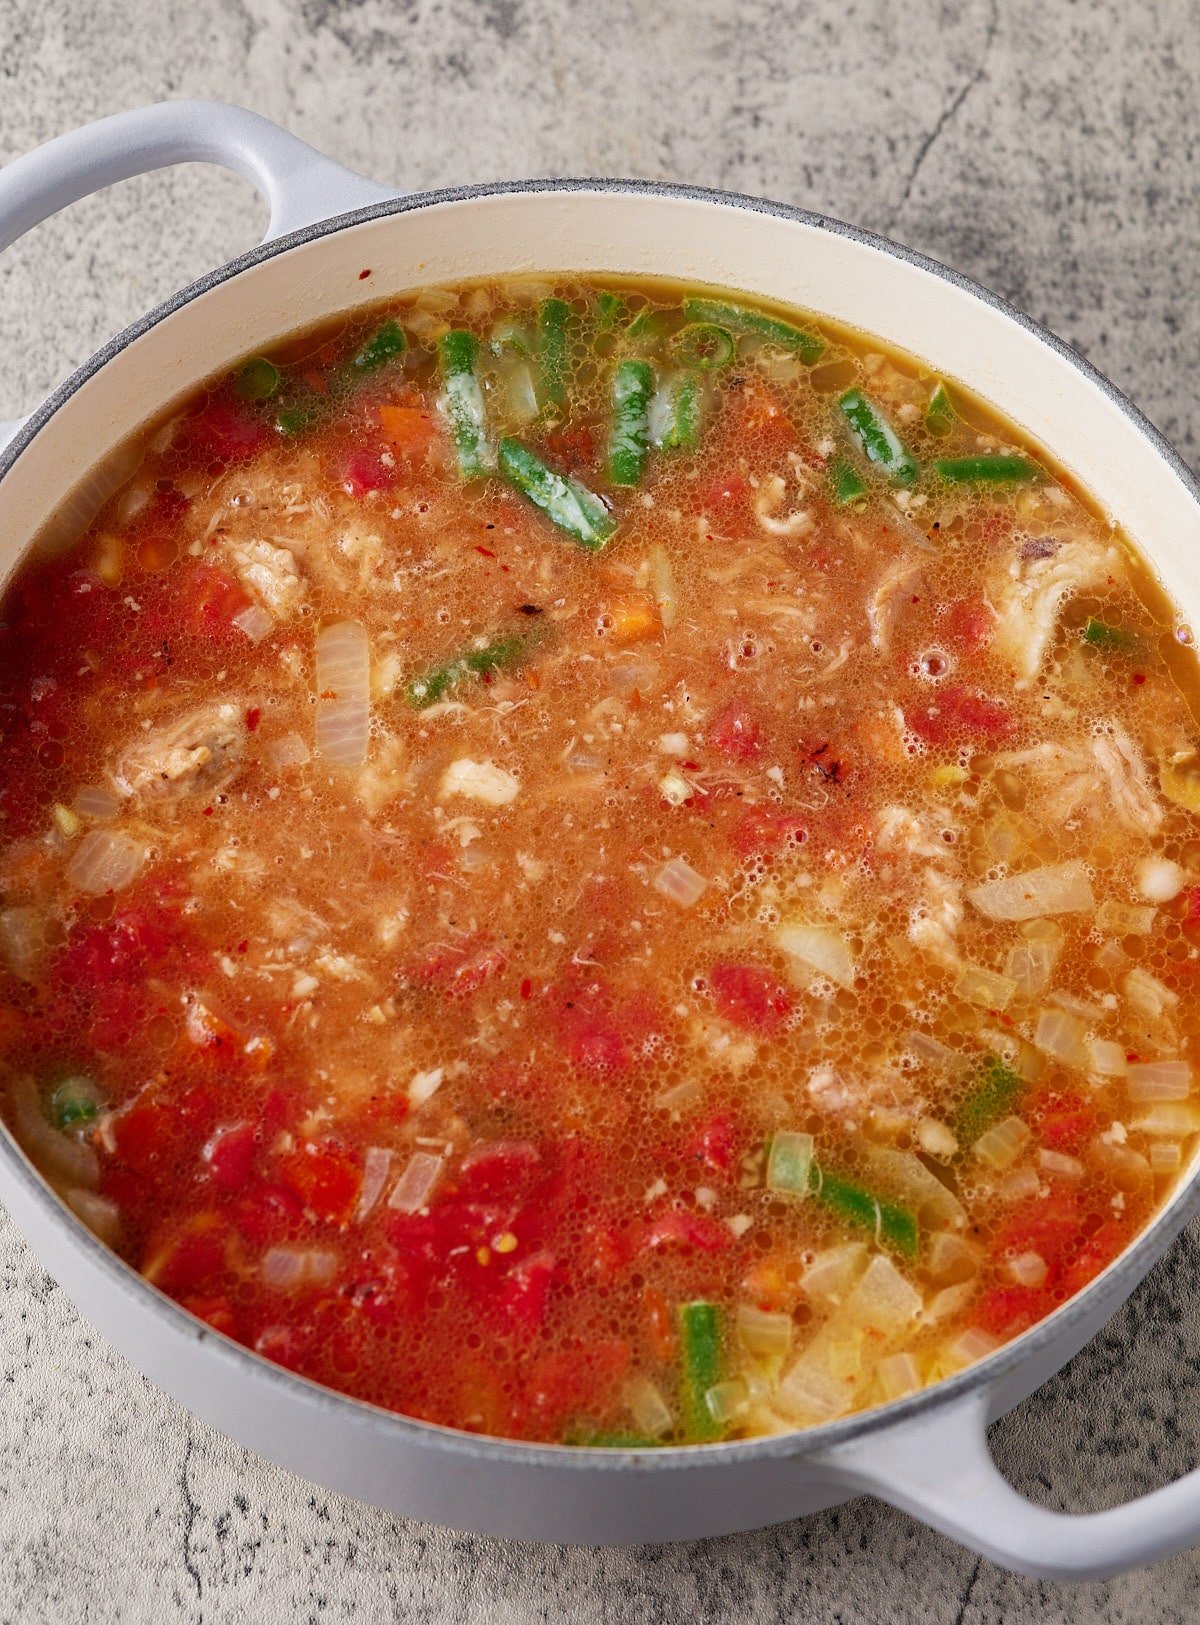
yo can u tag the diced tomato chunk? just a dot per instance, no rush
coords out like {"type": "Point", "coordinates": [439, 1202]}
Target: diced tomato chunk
{"type": "Point", "coordinates": [968, 625]}
{"type": "Point", "coordinates": [410, 430]}
{"type": "Point", "coordinates": [266, 1212]}
{"type": "Point", "coordinates": [955, 712]}
{"type": "Point", "coordinates": [766, 831]}
{"type": "Point", "coordinates": [1096, 1254]}
{"type": "Point", "coordinates": [325, 1178]}
{"type": "Point", "coordinates": [681, 1227]}
{"type": "Point", "coordinates": [750, 997]}
{"type": "Point", "coordinates": [229, 1155]}
{"type": "Point", "coordinates": [1006, 1310]}
{"type": "Point", "coordinates": [715, 1144]}
{"type": "Point", "coordinates": [1063, 1122]}
{"type": "Point", "coordinates": [723, 494]}
{"type": "Point", "coordinates": [498, 1168]}
{"type": "Point", "coordinates": [366, 471]}
{"type": "Point", "coordinates": [574, 1382]}
{"type": "Point", "coordinates": [525, 1294]}
{"type": "Point", "coordinates": [1046, 1225]}
{"type": "Point", "coordinates": [736, 733]}
{"type": "Point", "coordinates": [213, 598]}
{"type": "Point", "coordinates": [142, 1135]}
{"type": "Point", "coordinates": [226, 432]}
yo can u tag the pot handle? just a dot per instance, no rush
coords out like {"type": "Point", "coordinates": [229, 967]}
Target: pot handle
{"type": "Point", "coordinates": [938, 1467]}
{"type": "Point", "coordinates": [299, 183]}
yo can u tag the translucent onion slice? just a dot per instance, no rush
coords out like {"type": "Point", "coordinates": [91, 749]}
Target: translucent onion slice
{"type": "Point", "coordinates": [58, 1155]}
{"type": "Point", "coordinates": [23, 941]}
{"type": "Point", "coordinates": [1172, 1119]}
{"type": "Point", "coordinates": [102, 1217]}
{"type": "Point", "coordinates": [1062, 1036]}
{"type": "Point", "coordinates": [680, 882]}
{"type": "Point", "coordinates": [415, 1184]}
{"type": "Point", "coordinates": [1002, 1145]}
{"type": "Point", "coordinates": [105, 861]}
{"type": "Point", "coordinates": [726, 1401]}
{"type": "Point", "coordinates": [255, 622]}
{"type": "Point", "coordinates": [94, 801]}
{"type": "Point", "coordinates": [789, 1163]}
{"type": "Point", "coordinates": [343, 693]}
{"type": "Point", "coordinates": [1159, 1080]}
{"type": "Point", "coordinates": [648, 1407]}
{"type": "Point", "coordinates": [1059, 888]}
{"type": "Point", "coordinates": [288, 751]}
{"type": "Point", "coordinates": [289, 1267]}
{"type": "Point", "coordinates": [764, 1333]}
{"type": "Point", "coordinates": [898, 1374]}
{"type": "Point", "coordinates": [377, 1164]}
{"type": "Point", "coordinates": [820, 948]}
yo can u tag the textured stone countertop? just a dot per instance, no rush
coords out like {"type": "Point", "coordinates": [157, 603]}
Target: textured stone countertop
{"type": "Point", "coordinates": [1050, 149]}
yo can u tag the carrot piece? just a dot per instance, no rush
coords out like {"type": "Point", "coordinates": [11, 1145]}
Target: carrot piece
{"type": "Point", "coordinates": [634, 619]}
{"type": "Point", "coordinates": [407, 429]}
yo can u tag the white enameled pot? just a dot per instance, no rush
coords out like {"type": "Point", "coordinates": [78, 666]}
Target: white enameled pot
{"type": "Point", "coordinates": [927, 1454]}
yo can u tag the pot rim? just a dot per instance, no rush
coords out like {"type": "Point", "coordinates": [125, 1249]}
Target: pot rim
{"type": "Point", "coordinates": [1110, 1287]}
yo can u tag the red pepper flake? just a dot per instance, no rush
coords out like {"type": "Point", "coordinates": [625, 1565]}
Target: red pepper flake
{"type": "Point", "coordinates": [363, 275]}
{"type": "Point", "coordinates": [244, 945]}
{"type": "Point", "coordinates": [1139, 678]}
{"type": "Point", "coordinates": [486, 551]}
{"type": "Point", "coordinates": [253, 718]}
{"type": "Point", "coordinates": [527, 989]}
{"type": "Point", "coordinates": [208, 812]}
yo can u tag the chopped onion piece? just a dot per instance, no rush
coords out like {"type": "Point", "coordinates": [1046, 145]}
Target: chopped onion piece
{"type": "Point", "coordinates": [1019, 1185]}
{"type": "Point", "coordinates": [936, 1139]}
{"type": "Point", "coordinates": [1123, 1167]}
{"type": "Point", "coordinates": [933, 1051]}
{"type": "Point", "coordinates": [1108, 1059]}
{"type": "Point", "coordinates": [898, 1374]}
{"type": "Point", "coordinates": [1171, 1118]}
{"type": "Point", "coordinates": [1147, 994]}
{"type": "Point", "coordinates": [94, 801]}
{"type": "Point", "coordinates": [904, 1177]}
{"type": "Point", "coordinates": [1028, 1269]}
{"type": "Point", "coordinates": [680, 882]}
{"type": "Point", "coordinates": [727, 1401]}
{"type": "Point", "coordinates": [1084, 1008]}
{"type": "Point", "coordinates": [789, 1163]}
{"type": "Point", "coordinates": [105, 861]}
{"type": "Point", "coordinates": [820, 948]}
{"type": "Point", "coordinates": [1061, 1165]}
{"type": "Point", "coordinates": [1002, 1145]}
{"type": "Point", "coordinates": [951, 1259]}
{"type": "Point", "coordinates": [1030, 966]}
{"type": "Point", "coordinates": [288, 1267]}
{"type": "Point", "coordinates": [1165, 1157]}
{"type": "Point", "coordinates": [23, 941]}
{"type": "Point", "coordinates": [288, 751]}
{"type": "Point", "coordinates": [1063, 1037]}
{"type": "Point", "coordinates": [1059, 888]}
{"type": "Point", "coordinates": [1125, 919]}
{"type": "Point", "coordinates": [973, 1345]}
{"type": "Point", "coordinates": [1159, 1080]}
{"type": "Point", "coordinates": [426, 1084]}
{"type": "Point", "coordinates": [54, 1153]}
{"type": "Point", "coordinates": [834, 1271]}
{"type": "Point", "coordinates": [255, 622]}
{"type": "Point", "coordinates": [666, 594]}
{"type": "Point", "coordinates": [950, 1301]}
{"type": "Point", "coordinates": [377, 1165]}
{"type": "Point", "coordinates": [763, 1333]}
{"type": "Point", "coordinates": [415, 1184]}
{"type": "Point", "coordinates": [479, 781]}
{"type": "Point", "coordinates": [1160, 879]}
{"type": "Point", "coordinates": [648, 1407]}
{"type": "Point", "coordinates": [343, 693]}
{"type": "Point", "coordinates": [985, 987]}
{"type": "Point", "coordinates": [102, 1217]}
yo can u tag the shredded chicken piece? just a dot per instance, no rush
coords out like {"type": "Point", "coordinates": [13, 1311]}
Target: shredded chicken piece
{"type": "Point", "coordinates": [1030, 598]}
{"type": "Point", "coordinates": [200, 752]}
{"type": "Point", "coordinates": [269, 572]}
{"type": "Point", "coordinates": [933, 924]}
{"type": "Point", "coordinates": [884, 603]}
{"type": "Point", "coordinates": [1134, 802]}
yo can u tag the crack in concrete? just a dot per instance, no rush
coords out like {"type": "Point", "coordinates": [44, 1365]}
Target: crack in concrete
{"type": "Point", "coordinates": [966, 1596]}
{"type": "Point", "coordinates": [191, 1511]}
{"type": "Point", "coordinates": [948, 114]}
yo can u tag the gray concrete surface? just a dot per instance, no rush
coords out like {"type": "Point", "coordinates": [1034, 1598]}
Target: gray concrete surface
{"type": "Point", "coordinates": [1049, 148]}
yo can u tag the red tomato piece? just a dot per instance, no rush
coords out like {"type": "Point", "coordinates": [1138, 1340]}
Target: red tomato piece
{"type": "Point", "coordinates": [1062, 1122]}
{"type": "Point", "coordinates": [499, 1168]}
{"type": "Point", "coordinates": [736, 733]}
{"type": "Point", "coordinates": [193, 1261]}
{"type": "Point", "coordinates": [715, 1144]}
{"type": "Point", "coordinates": [750, 997]}
{"type": "Point", "coordinates": [226, 432]}
{"type": "Point", "coordinates": [229, 1155]}
{"type": "Point", "coordinates": [282, 1344]}
{"type": "Point", "coordinates": [266, 1213]}
{"type": "Point", "coordinates": [214, 597]}
{"type": "Point", "coordinates": [1046, 1225]}
{"type": "Point", "coordinates": [1096, 1254]}
{"type": "Point", "coordinates": [968, 625]}
{"type": "Point", "coordinates": [682, 1227]}
{"type": "Point", "coordinates": [573, 1383]}
{"type": "Point", "coordinates": [218, 1313]}
{"type": "Point", "coordinates": [325, 1177]}
{"type": "Point", "coordinates": [365, 471]}
{"type": "Point", "coordinates": [765, 831]}
{"type": "Point", "coordinates": [142, 1135]}
{"type": "Point", "coordinates": [1006, 1310]}
{"type": "Point", "coordinates": [724, 494]}
{"type": "Point", "coordinates": [955, 712]}
{"type": "Point", "coordinates": [525, 1294]}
